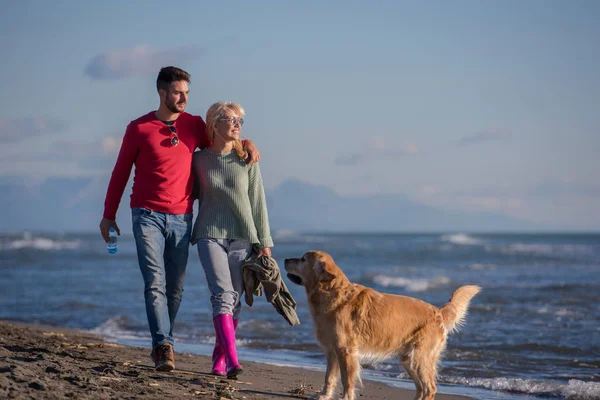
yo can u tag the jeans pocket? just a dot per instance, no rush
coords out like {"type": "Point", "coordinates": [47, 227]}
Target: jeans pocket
{"type": "Point", "coordinates": [239, 244]}
{"type": "Point", "coordinates": [137, 213]}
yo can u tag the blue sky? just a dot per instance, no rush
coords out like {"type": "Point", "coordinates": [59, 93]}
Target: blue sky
{"type": "Point", "coordinates": [465, 105]}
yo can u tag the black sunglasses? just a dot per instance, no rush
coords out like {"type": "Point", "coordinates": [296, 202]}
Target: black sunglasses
{"type": "Point", "coordinates": [174, 137]}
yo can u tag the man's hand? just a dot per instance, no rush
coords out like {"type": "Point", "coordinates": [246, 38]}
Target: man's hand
{"type": "Point", "coordinates": [105, 225]}
{"type": "Point", "coordinates": [253, 154]}
{"type": "Point", "coordinates": [265, 251]}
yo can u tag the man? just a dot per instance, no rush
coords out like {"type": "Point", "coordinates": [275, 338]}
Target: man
{"type": "Point", "coordinates": [161, 144]}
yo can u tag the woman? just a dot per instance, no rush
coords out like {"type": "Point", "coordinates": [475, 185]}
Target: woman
{"type": "Point", "coordinates": [232, 218]}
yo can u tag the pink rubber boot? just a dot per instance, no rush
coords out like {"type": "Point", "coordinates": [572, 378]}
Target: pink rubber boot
{"type": "Point", "coordinates": [218, 358]}
{"type": "Point", "coordinates": [225, 331]}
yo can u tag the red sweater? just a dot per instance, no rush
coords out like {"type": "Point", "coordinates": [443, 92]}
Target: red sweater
{"type": "Point", "coordinates": [163, 179]}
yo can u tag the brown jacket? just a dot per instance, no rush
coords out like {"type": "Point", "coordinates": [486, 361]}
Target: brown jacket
{"type": "Point", "coordinates": [263, 272]}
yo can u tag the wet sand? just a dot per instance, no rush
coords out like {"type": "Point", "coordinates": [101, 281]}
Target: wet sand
{"type": "Point", "coordinates": [40, 362]}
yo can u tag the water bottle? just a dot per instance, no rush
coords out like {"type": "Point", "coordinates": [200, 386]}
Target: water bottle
{"type": "Point", "coordinates": [112, 246]}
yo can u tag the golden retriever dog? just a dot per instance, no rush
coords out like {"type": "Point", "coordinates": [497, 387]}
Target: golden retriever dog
{"type": "Point", "coordinates": [353, 323]}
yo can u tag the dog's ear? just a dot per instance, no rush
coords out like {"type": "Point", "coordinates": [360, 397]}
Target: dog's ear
{"type": "Point", "coordinates": [323, 271]}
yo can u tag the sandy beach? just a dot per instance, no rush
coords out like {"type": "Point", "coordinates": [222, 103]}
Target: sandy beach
{"type": "Point", "coordinates": [40, 362]}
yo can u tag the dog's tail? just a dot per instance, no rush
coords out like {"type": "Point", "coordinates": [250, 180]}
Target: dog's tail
{"type": "Point", "coordinates": [455, 311]}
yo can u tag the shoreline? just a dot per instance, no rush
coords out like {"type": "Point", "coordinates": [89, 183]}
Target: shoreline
{"type": "Point", "coordinates": [45, 362]}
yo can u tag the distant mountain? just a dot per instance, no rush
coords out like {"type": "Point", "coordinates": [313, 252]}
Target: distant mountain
{"type": "Point", "coordinates": [76, 204]}
{"type": "Point", "coordinates": [58, 204]}
{"type": "Point", "coordinates": [302, 206]}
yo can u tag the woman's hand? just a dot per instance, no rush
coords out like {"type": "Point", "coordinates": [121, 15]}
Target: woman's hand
{"type": "Point", "coordinates": [265, 251]}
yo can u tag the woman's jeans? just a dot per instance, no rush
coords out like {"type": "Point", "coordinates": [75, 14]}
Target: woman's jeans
{"type": "Point", "coordinates": [222, 260]}
{"type": "Point", "coordinates": [162, 242]}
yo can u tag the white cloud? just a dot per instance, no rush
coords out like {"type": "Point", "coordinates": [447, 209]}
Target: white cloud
{"type": "Point", "coordinates": [39, 169]}
{"type": "Point", "coordinates": [555, 204]}
{"type": "Point", "coordinates": [82, 149]}
{"type": "Point", "coordinates": [385, 147]}
{"type": "Point", "coordinates": [64, 158]}
{"type": "Point", "coordinates": [141, 60]}
{"type": "Point", "coordinates": [111, 145]}
{"type": "Point", "coordinates": [377, 149]}
{"type": "Point", "coordinates": [429, 190]}
{"type": "Point", "coordinates": [495, 203]}
{"type": "Point", "coordinates": [18, 129]}
{"type": "Point", "coordinates": [349, 159]}
{"type": "Point", "coordinates": [482, 137]}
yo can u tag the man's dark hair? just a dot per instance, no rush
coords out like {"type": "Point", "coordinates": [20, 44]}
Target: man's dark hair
{"type": "Point", "coordinates": [170, 74]}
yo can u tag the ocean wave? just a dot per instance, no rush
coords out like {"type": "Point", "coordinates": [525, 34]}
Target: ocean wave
{"type": "Point", "coordinates": [125, 328]}
{"type": "Point", "coordinates": [559, 312]}
{"type": "Point", "coordinates": [304, 348]}
{"type": "Point", "coordinates": [121, 327]}
{"type": "Point", "coordinates": [460, 238]}
{"type": "Point", "coordinates": [40, 243]}
{"type": "Point", "coordinates": [76, 305]}
{"type": "Point", "coordinates": [411, 285]}
{"type": "Point", "coordinates": [537, 348]}
{"type": "Point", "coordinates": [482, 267]}
{"type": "Point", "coordinates": [285, 234]}
{"type": "Point", "coordinates": [573, 390]}
{"type": "Point", "coordinates": [544, 249]}
{"type": "Point", "coordinates": [293, 237]}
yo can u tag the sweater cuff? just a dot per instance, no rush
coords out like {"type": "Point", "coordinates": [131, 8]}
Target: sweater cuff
{"type": "Point", "coordinates": [266, 242]}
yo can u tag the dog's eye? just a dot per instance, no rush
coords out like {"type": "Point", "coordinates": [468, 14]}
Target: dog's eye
{"type": "Point", "coordinates": [302, 259]}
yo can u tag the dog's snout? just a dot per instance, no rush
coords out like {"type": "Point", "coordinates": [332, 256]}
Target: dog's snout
{"type": "Point", "coordinates": [290, 262]}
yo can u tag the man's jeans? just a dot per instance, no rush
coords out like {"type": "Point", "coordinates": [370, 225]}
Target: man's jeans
{"type": "Point", "coordinates": [162, 242]}
{"type": "Point", "coordinates": [222, 261]}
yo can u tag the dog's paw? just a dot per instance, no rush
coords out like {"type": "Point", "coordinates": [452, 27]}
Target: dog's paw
{"type": "Point", "coordinates": [320, 396]}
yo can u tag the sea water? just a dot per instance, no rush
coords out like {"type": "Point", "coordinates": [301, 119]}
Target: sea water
{"type": "Point", "coordinates": [533, 331]}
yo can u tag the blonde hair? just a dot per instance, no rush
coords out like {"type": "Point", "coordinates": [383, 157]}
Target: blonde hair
{"type": "Point", "coordinates": [216, 112]}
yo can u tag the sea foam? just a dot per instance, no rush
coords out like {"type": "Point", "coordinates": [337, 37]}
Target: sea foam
{"type": "Point", "coordinates": [411, 285]}
{"type": "Point", "coordinates": [460, 238]}
{"type": "Point", "coordinates": [40, 244]}
{"type": "Point", "coordinates": [573, 390]}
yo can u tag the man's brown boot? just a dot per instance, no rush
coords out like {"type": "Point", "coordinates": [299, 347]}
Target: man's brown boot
{"type": "Point", "coordinates": [163, 357]}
